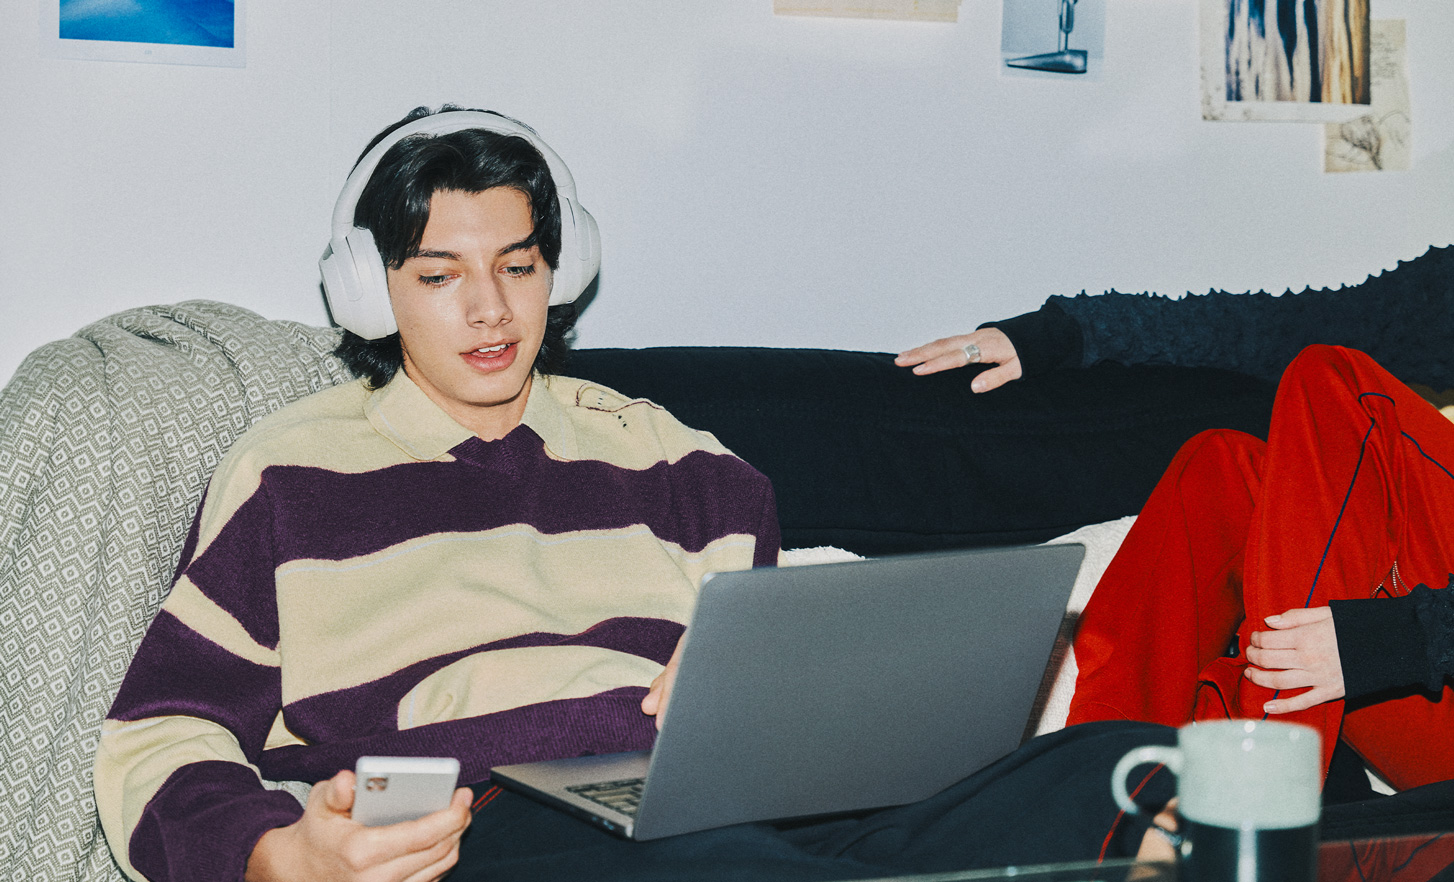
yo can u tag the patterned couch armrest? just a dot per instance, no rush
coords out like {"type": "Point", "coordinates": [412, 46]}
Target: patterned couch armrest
{"type": "Point", "coordinates": [106, 442]}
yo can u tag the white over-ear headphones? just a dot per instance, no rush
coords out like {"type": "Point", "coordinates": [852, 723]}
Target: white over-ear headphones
{"type": "Point", "coordinates": [354, 280]}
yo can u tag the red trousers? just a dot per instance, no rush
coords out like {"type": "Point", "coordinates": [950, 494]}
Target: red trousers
{"type": "Point", "coordinates": [1351, 496]}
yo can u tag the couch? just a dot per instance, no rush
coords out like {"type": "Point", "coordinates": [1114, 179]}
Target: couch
{"type": "Point", "coordinates": [107, 440]}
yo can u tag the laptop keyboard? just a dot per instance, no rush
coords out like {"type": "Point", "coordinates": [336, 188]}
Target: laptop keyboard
{"type": "Point", "coordinates": [622, 796]}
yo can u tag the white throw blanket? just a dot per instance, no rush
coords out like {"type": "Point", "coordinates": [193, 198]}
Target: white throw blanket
{"type": "Point", "coordinates": [107, 440]}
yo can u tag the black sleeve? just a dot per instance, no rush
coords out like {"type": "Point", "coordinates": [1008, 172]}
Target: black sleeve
{"type": "Point", "coordinates": [1388, 643]}
{"type": "Point", "coordinates": [1045, 340]}
{"type": "Point", "coordinates": [1404, 318]}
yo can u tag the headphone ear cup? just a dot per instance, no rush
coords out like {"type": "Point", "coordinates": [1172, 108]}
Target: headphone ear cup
{"type": "Point", "coordinates": [356, 285]}
{"type": "Point", "coordinates": [373, 280]}
{"type": "Point", "coordinates": [580, 252]}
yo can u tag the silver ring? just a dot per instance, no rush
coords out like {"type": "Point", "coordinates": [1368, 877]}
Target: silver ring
{"type": "Point", "coordinates": [971, 352]}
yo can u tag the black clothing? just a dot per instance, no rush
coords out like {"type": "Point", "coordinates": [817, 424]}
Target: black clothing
{"type": "Point", "coordinates": [1404, 318]}
{"type": "Point", "coordinates": [1396, 641]}
{"type": "Point", "coordinates": [1049, 801]}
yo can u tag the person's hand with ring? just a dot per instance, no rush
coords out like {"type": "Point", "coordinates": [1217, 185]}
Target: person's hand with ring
{"type": "Point", "coordinates": [985, 346]}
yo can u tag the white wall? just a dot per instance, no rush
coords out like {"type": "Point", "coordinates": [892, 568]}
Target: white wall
{"type": "Point", "coordinates": [759, 180]}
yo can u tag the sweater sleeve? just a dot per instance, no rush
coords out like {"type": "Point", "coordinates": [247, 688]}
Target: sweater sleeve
{"type": "Point", "coordinates": [1404, 318]}
{"type": "Point", "coordinates": [177, 787]}
{"type": "Point", "coordinates": [769, 544]}
{"type": "Point", "coordinates": [1388, 643]}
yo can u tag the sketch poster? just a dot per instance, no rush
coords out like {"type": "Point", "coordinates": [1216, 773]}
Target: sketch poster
{"type": "Point", "coordinates": [1298, 60]}
{"type": "Point", "coordinates": [1379, 140]}
{"type": "Point", "coordinates": [206, 32]}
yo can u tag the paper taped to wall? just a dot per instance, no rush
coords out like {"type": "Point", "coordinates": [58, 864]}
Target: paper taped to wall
{"type": "Point", "coordinates": [908, 10]}
{"type": "Point", "coordinates": [1379, 140]}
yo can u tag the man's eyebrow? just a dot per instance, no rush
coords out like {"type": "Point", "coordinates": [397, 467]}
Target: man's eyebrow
{"type": "Point", "coordinates": [525, 244]}
{"type": "Point", "coordinates": [438, 255]}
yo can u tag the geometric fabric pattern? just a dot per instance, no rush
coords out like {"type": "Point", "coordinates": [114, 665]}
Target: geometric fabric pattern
{"type": "Point", "coordinates": [107, 440]}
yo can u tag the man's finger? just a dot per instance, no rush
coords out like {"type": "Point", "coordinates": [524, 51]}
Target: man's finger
{"type": "Point", "coordinates": [659, 695]}
{"type": "Point", "coordinates": [436, 869]}
{"type": "Point", "coordinates": [652, 701]}
{"type": "Point", "coordinates": [422, 865]}
{"type": "Point", "coordinates": [336, 793]}
{"type": "Point", "coordinates": [419, 842]}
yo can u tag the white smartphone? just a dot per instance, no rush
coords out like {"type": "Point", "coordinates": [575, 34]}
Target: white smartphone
{"type": "Point", "coordinates": [390, 789]}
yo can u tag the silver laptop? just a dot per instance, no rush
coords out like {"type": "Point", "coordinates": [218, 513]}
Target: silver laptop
{"type": "Point", "coordinates": [827, 689]}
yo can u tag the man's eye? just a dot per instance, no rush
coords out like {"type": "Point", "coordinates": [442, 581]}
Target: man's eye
{"type": "Point", "coordinates": [518, 271]}
{"type": "Point", "coordinates": [433, 281]}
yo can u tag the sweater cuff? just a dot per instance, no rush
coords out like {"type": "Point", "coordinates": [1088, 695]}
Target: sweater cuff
{"type": "Point", "coordinates": [1045, 340]}
{"type": "Point", "coordinates": [1380, 644]}
{"type": "Point", "coordinates": [204, 822]}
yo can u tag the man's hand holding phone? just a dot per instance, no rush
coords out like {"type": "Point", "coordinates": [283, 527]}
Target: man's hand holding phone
{"type": "Point", "coordinates": [329, 844]}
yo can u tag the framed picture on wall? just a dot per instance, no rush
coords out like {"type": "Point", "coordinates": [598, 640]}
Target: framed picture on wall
{"type": "Point", "coordinates": [1297, 60]}
{"type": "Point", "coordinates": [204, 32]}
{"type": "Point", "coordinates": [1053, 39]}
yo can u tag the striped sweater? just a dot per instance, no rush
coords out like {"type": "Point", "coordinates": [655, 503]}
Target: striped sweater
{"type": "Point", "coordinates": [365, 576]}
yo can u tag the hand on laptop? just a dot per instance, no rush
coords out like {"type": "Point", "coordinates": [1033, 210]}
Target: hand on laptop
{"type": "Point", "coordinates": [654, 704]}
{"type": "Point", "coordinates": [326, 843]}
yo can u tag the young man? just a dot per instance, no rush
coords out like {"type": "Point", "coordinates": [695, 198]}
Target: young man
{"type": "Point", "coordinates": [460, 555]}
{"type": "Point", "coordinates": [463, 554]}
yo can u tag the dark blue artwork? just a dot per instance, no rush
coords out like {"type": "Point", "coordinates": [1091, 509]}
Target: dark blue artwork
{"type": "Point", "coordinates": [175, 22]}
{"type": "Point", "coordinates": [1253, 15]}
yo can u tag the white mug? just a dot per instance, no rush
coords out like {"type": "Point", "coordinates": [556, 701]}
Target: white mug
{"type": "Point", "coordinates": [1248, 798]}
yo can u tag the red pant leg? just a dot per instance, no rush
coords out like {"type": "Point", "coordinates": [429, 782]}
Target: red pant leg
{"type": "Point", "coordinates": [1358, 478]}
{"type": "Point", "coordinates": [1353, 478]}
{"type": "Point", "coordinates": [1171, 600]}
{"type": "Point", "coordinates": [1403, 859]}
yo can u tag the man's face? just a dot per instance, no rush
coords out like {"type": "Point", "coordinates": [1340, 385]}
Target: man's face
{"type": "Point", "coordinates": [471, 307]}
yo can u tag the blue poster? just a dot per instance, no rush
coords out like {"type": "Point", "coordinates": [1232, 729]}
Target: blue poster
{"type": "Point", "coordinates": [169, 22]}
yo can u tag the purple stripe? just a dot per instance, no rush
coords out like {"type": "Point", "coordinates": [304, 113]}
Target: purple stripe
{"type": "Point", "coordinates": [324, 515]}
{"type": "Point", "coordinates": [611, 722]}
{"type": "Point", "coordinates": [204, 822]}
{"type": "Point", "coordinates": [236, 570]}
{"type": "Point", "coordinates": [178, 672]}
{"type": "Point", "coordinates": [769, 536]}
{"type": "Point", "coordinates": [373, 708]}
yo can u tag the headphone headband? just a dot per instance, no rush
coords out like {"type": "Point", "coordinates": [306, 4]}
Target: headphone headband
{"type": "Point", "coordinates": [354, 279]}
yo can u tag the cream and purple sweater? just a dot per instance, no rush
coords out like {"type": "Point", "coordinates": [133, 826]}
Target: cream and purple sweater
{"type": "Point", "coordinates": [365, 576]}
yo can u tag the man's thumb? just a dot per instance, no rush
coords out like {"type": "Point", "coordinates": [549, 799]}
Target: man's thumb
{"type": "Point", "coordinates": [338, 792]}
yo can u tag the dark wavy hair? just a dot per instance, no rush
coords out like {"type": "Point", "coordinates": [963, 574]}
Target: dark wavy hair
{"type": "Point", "coordinates": [394, 206]}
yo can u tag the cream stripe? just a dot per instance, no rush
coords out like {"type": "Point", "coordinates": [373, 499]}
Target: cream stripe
{"type": "Point", "coordinates": [353, 622]}
{"type": "Point", "coordinates": [325, 430]}
{"type": "Point", "coordinates": [405, 548]}
{"type": "Point", "coordinates": [490, 682]}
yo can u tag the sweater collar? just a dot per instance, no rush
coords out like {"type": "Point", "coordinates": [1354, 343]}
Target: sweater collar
{"type": "Point", "coordinates": [402, 413]}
